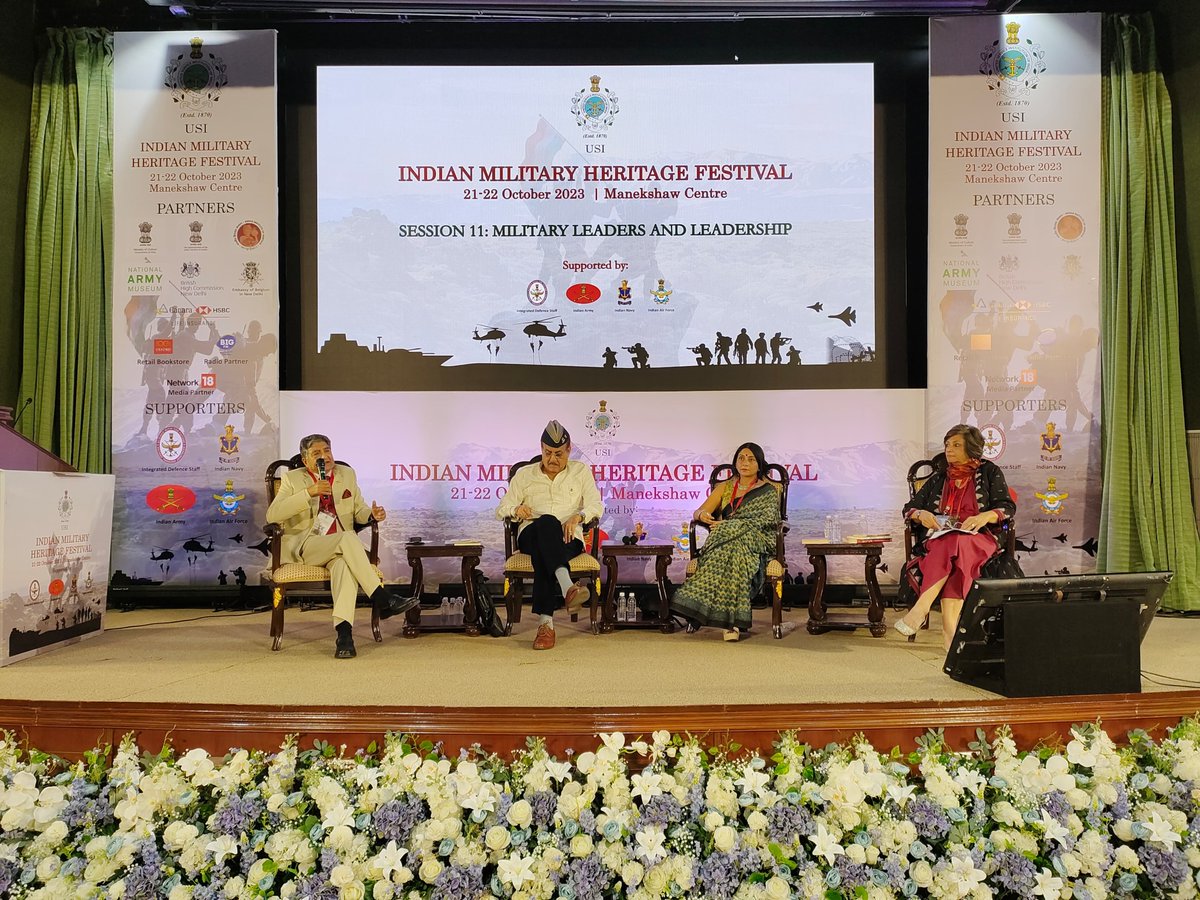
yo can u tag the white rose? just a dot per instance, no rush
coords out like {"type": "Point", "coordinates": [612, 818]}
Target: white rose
{"type": "Point", "coordinates": [1126, 857]}
{"type": "Point", "coordinates": [712, 820]}
{"type": "Point", "coordinates": [777, 888]}
{"type": "Point", "coordinates": [48, 867]}
{"type": "Point", "coordinates": [430, 869]}
{"type": "Point", "coordinates": [1123, 828]}
{"type": "Point", "coordinates": [632, 873]}
{"type": "Point", "coordinates": [257, 871]}
{"type": "Point", "coordinates": [340, 838]}
{"type": "Point", "coordinates": [922, 873]}
{"type": "Point", "coordinates": [383, 890]}
{"type": "Point", "coordinates": [520, 814]}
{"type": "Point", "coordinates": [857, 853]}
{"type": "Point", "coordinates": [906, 833]}
{"type": "Point", "coordinates": [116, 890]}
{"type": "Point", "coordinates": [1106, 793]}
{"type": "Point", "coordinates": [1005, 813]}
{"type": "Point", "coordinates": [355, 890]}
{"type": "Point", "coordinates": [183, 892]}
{"type": "Point", "coordinates": [234, 886]}
{"type": "Point", "coordinates": [872, 855]}
{"type": "Point", "coordinates": [581, 845]}
{"type": "Point", "coordinates": [553, 858]}
{"type": "Point", "coordinates": [1192, 855]}
{"type": "Point", "coordinates": [497, 838]}
{"type": "Point", "coordinates": [288, 890]}
{"type": "Point", "coordinates": [56, 833]}
{"type": "Point", "coordinates": [757, 821]}
{"type": "Point", "coordinates": [724, 838]}
{"type": "Point", "coordinates": [341, 875]}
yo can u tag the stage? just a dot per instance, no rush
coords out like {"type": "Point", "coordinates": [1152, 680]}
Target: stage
{"type": "Point", "coordinates": [209, 679]}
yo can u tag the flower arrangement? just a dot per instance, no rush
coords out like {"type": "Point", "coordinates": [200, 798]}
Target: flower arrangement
{"type": "Point", "coordinates": [642, 819]}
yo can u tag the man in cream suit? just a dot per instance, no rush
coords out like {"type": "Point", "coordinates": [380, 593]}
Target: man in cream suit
{"type": "Point", "coordinates": [318, 507]}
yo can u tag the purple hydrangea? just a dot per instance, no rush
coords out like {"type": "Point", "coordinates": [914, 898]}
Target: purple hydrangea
{"type": "Point", "coordinates": [894, 867]}
{"type": "Point", "coordinates": [929, 818]}
{"type": "Point", "coordinates": [719, 876]}
{"type": "Point", "coordinates": [458, 883]}
{"type": "Point", "coordinates": [1180, 797]}
{"type": "Point", "coordinates": [853, 874]}
{"type": "Point", "coordinates": [8, 874]}
{"type": "Point", "coordinates": [503, 805]}
{"type": "Point", "coordinates": [1167, 868]}
{"type": "Point", "coordinates": [1055, 803]}
{"type": "Point", "coordinates": [212, 892]}
{"type": "Point", "coordinates": [1120, 807]}
{"type": "Point", "coordinates": [586, 877]}
{"type": "Point", "coordinates": [545, 805]}
{"type": "Point", "coordinates": [1193, 833]}
{"type": "Point", "coordinates": [237, 815]}
{"type": "Point", "coordinates": [141, 882]}
{"type": "Point", "coordinates": [315, 887]}
{"type": "Point", "coordinates": [587, 822]}
{"type": "Point", "coordinates": [696, 804]}
{"type": "Point", "coordinates": [327, 860]}
{"type": "Point", "coordinates": [662, 810]}
{"type": "Point", "coordinates": [88, 813]}
{"type": "Point", "coordinates": [786, 823]}
{"type": "Point", "coordinates": [395, 820]}
{"type": "Point", "coordinates": [1014, 873]}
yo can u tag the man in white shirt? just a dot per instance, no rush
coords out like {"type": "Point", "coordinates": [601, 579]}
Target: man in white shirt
{"type": "Point", "coordinates": [551, 501]}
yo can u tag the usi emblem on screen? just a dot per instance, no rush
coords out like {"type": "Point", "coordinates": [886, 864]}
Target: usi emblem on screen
{"type": "Point", "coordinates": [583, 293]}
{"type": "Point", "coordinates": [170, 499]}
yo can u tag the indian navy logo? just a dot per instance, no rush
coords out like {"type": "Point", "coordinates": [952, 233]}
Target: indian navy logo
{"type": "Point", "coordinates": [1012, 67]}
{"type": "Point", "coordinates": [230, 445]}
{"type": "Point", "coordinates": [537, 293]}
{"type": "Point", "coordinates": [228, 501]}
{"type": "Point", "coordinates": [64, 508]}
{"type": "Point", "coordinates": [1051, 444]}
{"type": "Point", "coordinates": [251, 276]}
{"type": "Point", "coordinates": [993, 442]}
{"type": "Point", "coordinates": [195, 78]}
{"type": "Point", "coordinates": [189, 269]}
{"type": "Point", "coordinates": [624, 293]}
{"type": "Point", "coordinates": [144, 228]}
{"type": "Point", "coordinates": [1051, 499]}
{"type": "Point", "coordinates": [603, 422]}
{"type": "Point", "coordinates": [661, 294]}
{"type": "Point", "coordinates": [171, 444]}
{"type": "Point", "coordinates": [594, 107]}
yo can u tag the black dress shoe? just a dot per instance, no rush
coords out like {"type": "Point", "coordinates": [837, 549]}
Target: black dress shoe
{"type": "Point", "coordinates": [390, 605]}
{"type": "Point", "coordinates": [343, 648]}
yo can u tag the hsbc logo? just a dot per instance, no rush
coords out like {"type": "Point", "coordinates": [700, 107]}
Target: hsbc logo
{"type": "Point", "coordinates": [204, 310]}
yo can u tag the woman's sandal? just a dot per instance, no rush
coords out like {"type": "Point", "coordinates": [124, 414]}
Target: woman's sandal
{"type": "Point", "coordinates": [732, 634]}
{"type": "Point", "coordinates": [905, 629]}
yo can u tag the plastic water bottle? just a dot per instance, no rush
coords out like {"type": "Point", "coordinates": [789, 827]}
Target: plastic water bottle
{"type": "Point", "coordinates": [631, 607]}
{"type": "Point", "coordinates": [837, 530]}
{"type": "Point", "coordinates": [622, 606]}
{"type": "Point", "coordinates": [444, 610]}
{"type": "Point", "coordinates": [829, 528]}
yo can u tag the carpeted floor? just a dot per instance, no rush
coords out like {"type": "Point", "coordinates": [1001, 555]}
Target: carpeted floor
{"type": "Point", "coordinates": [192, 656]}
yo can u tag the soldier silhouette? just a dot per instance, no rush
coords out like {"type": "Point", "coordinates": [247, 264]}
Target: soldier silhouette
{"type": "Point", "coordinates": [777, 344]}
{"type": "Point", "coordinates": [723, 345]}
{"type": "Point", "coordinates": [703, 355]}
{"type": "Point", "coordinates": [760, 348]}
{"type": "Point", "coordinates": [222, 578]}
{"type": "Point", "coordinates": [793, 356]}
{"type": "Point", "coordinates": [610, 358]}
{"type": "Point", "coordinates": [741, 347]}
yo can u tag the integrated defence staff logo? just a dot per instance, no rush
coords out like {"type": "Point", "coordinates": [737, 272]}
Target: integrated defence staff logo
{"type": "Point", "coordinates": [993, 442]}
{"type": "Point", "coordinates": [171, 444]}
{"type": "Point", "coordinates": [1012, 67]}
{"type": "Point", "coordinates": [594, 107]}
{"type": "Point", "coordinates": [603, 422]}
{"type": "Point", "coordinates": [195, 78]}
{"type": "Point", "coordinates": [537, 292]}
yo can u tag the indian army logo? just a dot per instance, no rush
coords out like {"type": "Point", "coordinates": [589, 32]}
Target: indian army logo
{"type": "Point", "coordinates": [1014, 66]}
{"type": "Point", "coordinates": [228, 501]}
{"type": "Point", "coordinates": [1052, 499]}
{"type": "Point", "coordinates": [603, 422]}
{"type": "Point", "coordinates": [195, 78]}
{"type": "Point", "coordinates": [594, 107]}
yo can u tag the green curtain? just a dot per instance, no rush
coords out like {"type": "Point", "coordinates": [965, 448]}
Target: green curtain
{"type": "Point", "coordinates": [66, 365]}
{"type": "Point", "coordinates": [1146, 518]}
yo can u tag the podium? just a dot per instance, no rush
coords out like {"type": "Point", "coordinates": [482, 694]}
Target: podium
{"type": "Point", "coordinates": [19, 452]}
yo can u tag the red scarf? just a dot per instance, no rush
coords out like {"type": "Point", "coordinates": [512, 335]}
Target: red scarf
{"type": "Point", "coordinates": [958, 471]}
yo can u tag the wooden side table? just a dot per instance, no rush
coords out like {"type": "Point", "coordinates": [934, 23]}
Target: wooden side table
{"type": "Point", "coordinates": [610, 556]}
{"type": "Point", "coordinates": [469, 553]}
{"type": "Point", "coordinates": [820, 619]}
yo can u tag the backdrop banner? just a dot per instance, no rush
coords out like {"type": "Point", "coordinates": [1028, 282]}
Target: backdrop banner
{"type": "Point", "coordinates": [55, 531]}
{"type": "Point", "coordinates": [438, 461]}
{"type": "Point", "coordinates": [1014, 243]}
{"type": "Point", "coordinates": [195, 370]}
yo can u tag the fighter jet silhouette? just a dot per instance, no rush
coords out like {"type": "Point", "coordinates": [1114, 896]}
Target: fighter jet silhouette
{"type": "Point", "coordinates": [847, 316]}
{"type": "Point", "coordinates": [263, 547]}
{"type": "Point", "coordinates": [1061, 538]}
{"type": "Point", "coordinates": [816, 307]}
{"type": "Point", "coordinates": [237, 538]}
{"type": "Point", "coordinates": [1088, 546]}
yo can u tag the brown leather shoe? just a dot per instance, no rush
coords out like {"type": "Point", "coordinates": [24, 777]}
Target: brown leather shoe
{"type": "Point", "coordinates": [544, 639]}
{"type": "Point", "coordinates": [577, 595]}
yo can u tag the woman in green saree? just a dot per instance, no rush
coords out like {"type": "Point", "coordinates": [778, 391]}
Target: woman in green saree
{"type": "Point", "coordinates": [743, 514]}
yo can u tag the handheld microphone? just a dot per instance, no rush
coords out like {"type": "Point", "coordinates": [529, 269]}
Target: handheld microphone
{"type": "Point", "coordinates": [321, 468]}
{"type": "Point", "coordinates": [20, 412]}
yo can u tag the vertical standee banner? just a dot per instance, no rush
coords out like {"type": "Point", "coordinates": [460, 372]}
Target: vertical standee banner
{"type": "Point", "coordinates": [1014, 275]}
{"type": "Point", "coordinates": [196, 309]}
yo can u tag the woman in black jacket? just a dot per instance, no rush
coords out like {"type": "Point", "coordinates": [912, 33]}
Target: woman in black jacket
{"type": "Point", "coordinates": [957, 509]}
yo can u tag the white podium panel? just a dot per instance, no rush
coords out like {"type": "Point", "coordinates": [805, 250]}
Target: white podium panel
{"type": "Point", "coordinates": [55, 536]}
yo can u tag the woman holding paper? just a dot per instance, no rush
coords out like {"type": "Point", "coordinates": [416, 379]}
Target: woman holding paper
{"type": "Point", "coordinates": [954, 513]}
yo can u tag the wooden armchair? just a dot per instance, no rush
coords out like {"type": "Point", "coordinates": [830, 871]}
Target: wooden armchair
{"type": "Point", "coordinates": [777, 566]}
{"type": "Point", "coordinates": [285, 576]}
{"type": "Point", "coordinates": [518, 566]}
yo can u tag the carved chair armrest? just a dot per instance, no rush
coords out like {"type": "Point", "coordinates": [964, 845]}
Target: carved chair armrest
{"type": "Point", "coordinates": [274, 533]}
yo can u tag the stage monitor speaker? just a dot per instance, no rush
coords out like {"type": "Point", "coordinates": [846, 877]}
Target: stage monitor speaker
{"type": "Point", "coordinates": [1056, 635]}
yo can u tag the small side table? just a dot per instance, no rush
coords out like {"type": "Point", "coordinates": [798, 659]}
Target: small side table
{"type": "Point", "coordinates": [469, 553]}
{"type": "Point", "coordinates": [820, 619]}
{"type": "Point", "coordinates": [610, 556]}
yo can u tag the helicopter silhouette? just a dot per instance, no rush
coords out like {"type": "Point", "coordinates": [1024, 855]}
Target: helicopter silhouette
{"type": "Point", "coordinates": [161, 555]}
{"type": "Point", "coordinates": [1089, 546]}
{"type": "Point", "coordinates": [847, 316]}
{"type": "Point", "coordinates": [1026, 548]}
{"type": "Point", "coordinates": [816, 307]}
{"type": "Point", "coordinates": [492, 335]}
{"type": "Point", "coordinates": [194, 548]}
{"type": "Point", "coordinates": [539, 329]}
